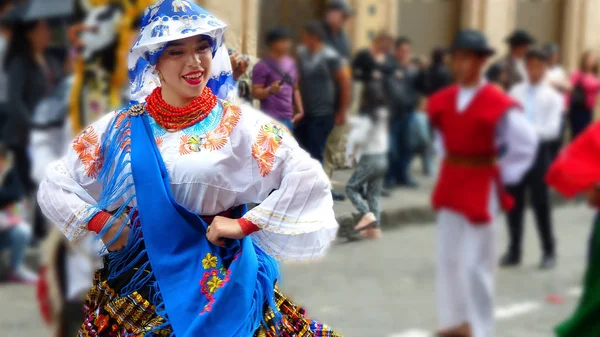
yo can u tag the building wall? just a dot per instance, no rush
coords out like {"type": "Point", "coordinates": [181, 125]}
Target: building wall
{"type": "Point", "coordinates": [572, 23]}
{"type": "Point", "coordinates": [241, 17]}
{"type": "Point", "coordinates": [429, 24]}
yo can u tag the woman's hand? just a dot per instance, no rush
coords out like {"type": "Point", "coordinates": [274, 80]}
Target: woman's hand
{"type": "Point", "coordinates": [223, 228]}
{"type": "Point", "coordinates": [121, 242]}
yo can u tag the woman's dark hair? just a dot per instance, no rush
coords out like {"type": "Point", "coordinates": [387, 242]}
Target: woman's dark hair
{"type": "Point", "coordinates": [19, 45]}
{"type": "Point", "coordinates": [583, 59]}
{"type": "Point", "coordinates": [277, 34]}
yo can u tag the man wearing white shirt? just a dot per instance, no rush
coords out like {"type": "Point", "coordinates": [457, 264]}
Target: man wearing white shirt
{"type": "Point", "coordinates": [543, 107]}
{"type": "Point", "coordinates": [557, 77]}
{"type": "Point", "coordinates": [486, 142]}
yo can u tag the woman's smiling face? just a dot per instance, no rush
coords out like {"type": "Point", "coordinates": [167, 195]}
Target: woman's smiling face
{"type": "Point", "coordinates": [184, 68]}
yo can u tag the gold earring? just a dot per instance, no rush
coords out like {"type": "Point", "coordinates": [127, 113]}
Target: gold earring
{"type": "Point", "coordinates": [160, 76]}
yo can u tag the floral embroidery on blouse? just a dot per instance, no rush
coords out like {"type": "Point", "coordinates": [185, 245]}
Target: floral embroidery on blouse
{"type": "Point", "coordinates": [88, 149]}
{"type": "Point", "coordinates": [215, 139]}
{"type": "Point", "coordinates": [215, 277]}
{"type": "Point", "coordinates": [267, 142]}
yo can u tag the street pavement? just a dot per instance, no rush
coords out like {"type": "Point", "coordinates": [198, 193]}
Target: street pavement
{"type": "Point", "coordinates": [386, 288]}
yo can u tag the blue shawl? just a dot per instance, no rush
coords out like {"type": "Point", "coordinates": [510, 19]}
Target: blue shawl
{"type": "Point", "coordinates": [199, 289]}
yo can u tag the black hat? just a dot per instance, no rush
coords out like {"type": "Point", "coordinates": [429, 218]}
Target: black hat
{"type": "Point", "coordinates": [32, 10]}
{"type": "Point", "coordinates": [520, 37]}
{"type": "Point", "coordinates": [472, 40]}
{"type": "Point", "coordinates": [340, 5]}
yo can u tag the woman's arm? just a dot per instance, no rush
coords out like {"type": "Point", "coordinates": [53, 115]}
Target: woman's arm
{"type": "Point", "coordinates": [70, 187]}
{"type": "Point", "coordinates": [295, 212]}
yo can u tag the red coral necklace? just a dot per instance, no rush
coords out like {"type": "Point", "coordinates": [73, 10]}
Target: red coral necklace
{"type": "Point", "coordinates": [173, 118]}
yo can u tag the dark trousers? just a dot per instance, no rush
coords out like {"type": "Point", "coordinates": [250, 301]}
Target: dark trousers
{"type": "Point", "coordinates": [534, 183]}
{"type": "Point", "coordinates": [400, 154]}
{"type": "Point", "coordinates": [312, 134]}
{"type": "Point", "coordinates": [579, 120]}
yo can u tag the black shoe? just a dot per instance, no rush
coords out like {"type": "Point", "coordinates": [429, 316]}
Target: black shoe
{"type": "Point", "coordinates": [386, 193]}
{"type": "Point", "coordinates": [338, 196]}
{"type": "Point", "coordinates": [548, 261]}
{"type": "Point", "coordinates": [510, 260]}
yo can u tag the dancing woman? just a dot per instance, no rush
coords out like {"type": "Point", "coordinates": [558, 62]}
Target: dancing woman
{"type": "Point", "coordinates": [163, 183]}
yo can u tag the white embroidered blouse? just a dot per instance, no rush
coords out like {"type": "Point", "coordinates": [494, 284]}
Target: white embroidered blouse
{"type": "Point", "coordinates": [235, 156]}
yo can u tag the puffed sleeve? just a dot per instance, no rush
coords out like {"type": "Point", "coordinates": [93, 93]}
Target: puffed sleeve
{"type": "Point", "coordinates": [295, 212]}
{"type": "Point", "coordinates": [518, 143]}
{"type": "Point", "coordinates": [70, 185]}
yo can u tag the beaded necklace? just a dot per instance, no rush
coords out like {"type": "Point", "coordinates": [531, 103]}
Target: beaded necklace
{"type": "Point", "coordinates": [174, 118]}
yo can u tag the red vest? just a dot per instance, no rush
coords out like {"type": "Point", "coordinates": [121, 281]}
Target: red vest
{"type": "Point", "coordinates": [469, 134]}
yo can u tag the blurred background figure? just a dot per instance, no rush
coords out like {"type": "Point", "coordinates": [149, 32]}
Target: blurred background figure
{"type": "Point", "coordinates": [321, 69]}
{"type": "Point", "coordinates": [4, 38]}
{"type": "Point", "coordinates": [337, 15]}
{"type": "Point", "coordinates": [496, 74]}
{"type": "Point", "coordinates": [275, 80]}
{"type": "Point", "coordinates": [15, 233]}
{"type": "Point", "coordinates": [367, 150]}
{"type": "Point", "coordinates": [557, 77]}
{"type": "Point", "coordinates": [320, 66]}
{"type": "Point", "coordinates": [556, 74]}
{"type": "Point", "coordinates": [33, 73]}
{"type": "Point", "coordinates": [543, 106]}
{"type": "Point", "coordinates": [514, 63]}
{"type": "Point", "coordinates": [436, 75]}
{"type": "Point", "coordinates": [373, 67]}
{"type": "Point", "coordinates": [585, 86]}
{"type": "Point", "coordinates": [404, 98]}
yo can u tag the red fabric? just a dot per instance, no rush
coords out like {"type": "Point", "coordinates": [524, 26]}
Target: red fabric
{"type": "Point", "coordinates": [98, 221]}
{"type": "Point", "coordinates": [471, 133]}
{"type": "Point", "coordinates": [247, 226]}
{"type": "Point", "coordinates": [577, 168]}
{"type": "Point", "coordinates": [43, 296]}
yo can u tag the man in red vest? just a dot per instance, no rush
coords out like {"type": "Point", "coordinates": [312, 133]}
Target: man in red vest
{"type": "Point", "coordinates": [487, 143]}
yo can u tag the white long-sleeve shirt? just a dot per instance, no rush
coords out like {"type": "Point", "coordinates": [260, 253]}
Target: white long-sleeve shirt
{"type": "Point", "coordinates": [233, 157]}
{"type": "Point", "coordinates": [542, 106]}
{"type": "Point", "coordinates": [515, 137]}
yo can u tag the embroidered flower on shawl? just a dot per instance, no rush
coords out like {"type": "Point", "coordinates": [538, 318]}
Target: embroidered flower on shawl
{"type": "Point", "coordinates": [267, 142]}
{"type": "Point", "coordinates": [88, 149]}
{"type": "Point", "coordinates": [209, 261]}
{"type": "Point", "coordinates": [213, 140]}
{"type": "Point", "coordinates": [213, 279]}
{"type": "Point", "coordinates": [214, 283]}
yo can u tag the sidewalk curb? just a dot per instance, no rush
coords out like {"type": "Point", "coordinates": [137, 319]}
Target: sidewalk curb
{"type": "Point", "coordinates": [419, 215]}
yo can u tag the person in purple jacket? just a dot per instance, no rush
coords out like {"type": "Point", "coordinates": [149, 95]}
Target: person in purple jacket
{"type": "Point", "coordinates": [275, 80]}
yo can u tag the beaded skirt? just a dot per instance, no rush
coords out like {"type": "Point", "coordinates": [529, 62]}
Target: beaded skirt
{"type": "Point", "coordinates": [109, 315]}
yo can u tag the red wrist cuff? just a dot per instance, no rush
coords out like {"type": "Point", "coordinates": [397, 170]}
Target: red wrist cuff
{"type": "Point", "coordinates": [247, 226]}
{"type": "Point", "coordinates": [98, 221]}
